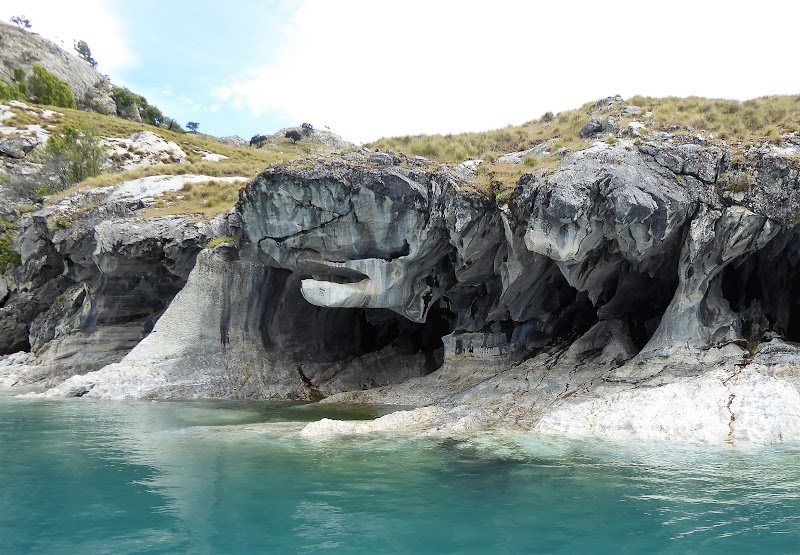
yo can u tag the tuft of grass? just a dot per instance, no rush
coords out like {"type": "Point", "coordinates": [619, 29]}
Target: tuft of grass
{"type": "Point", "coordinates": [738, 181]}
{"type": "Point", "coordinates": [206, 199]}
{"type": "Point", "coordinates": [740, 124]}
{"type": "Point", "coordinates": [754, 121]}
{"type": "Point", "coordinates": [218, 241]}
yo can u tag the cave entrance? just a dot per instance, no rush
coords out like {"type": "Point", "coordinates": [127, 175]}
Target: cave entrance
{"type": "Point", "coordinates": [763, 289]}
{"type": "Point", "coordinates": [308, 333]}
{"type": "Point", "coordinates": [638, 299]}
{"type": "Point", "coordinates": [381, 328]}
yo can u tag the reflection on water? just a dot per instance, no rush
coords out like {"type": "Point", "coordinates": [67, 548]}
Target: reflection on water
{"type": "Point", "coordinates": [230, 477]}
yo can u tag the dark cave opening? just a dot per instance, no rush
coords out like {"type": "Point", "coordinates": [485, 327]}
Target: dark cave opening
{"type": "Point", "coordinates": [127, 299]}
{"type": "Point", "coordinates": [309, 333]}
{"type": "Point", "coordinates": [380, 328]}
{"type": "Point", "coordinates": [763, 289]}
{"type": "Point", "coordinates": [638, 299]}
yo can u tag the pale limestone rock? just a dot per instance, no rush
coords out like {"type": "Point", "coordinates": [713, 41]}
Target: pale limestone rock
{"type": "Point", "coordinates": [540, 150]}
{"type": "Point", "coordinates": [153, 186]}
{"type": "Point", "coordinates": [213, 157]}
{"type": "Point", "coordinates": [718, 406]}
{"type": "Point", "coordinates": [142, 149]}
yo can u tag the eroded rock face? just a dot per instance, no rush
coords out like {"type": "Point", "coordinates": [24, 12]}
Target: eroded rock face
{"type": "Point", "coordinates": [361, 237]}
{"type": "Point", "coordinates": [94, 279]}
{"type": "Point", "coordinates": [374, 277]}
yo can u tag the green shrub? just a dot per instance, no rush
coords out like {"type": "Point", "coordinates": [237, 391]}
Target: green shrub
{"type": "Point", "coordinates": [11, 91]}
{"type": "Point", "coordinates": [46, 88]}
{"type": "Point", "coordinates": [153, 115]}
{"type": "Point", "coordinates": [71, 156]}
{"type": "Point", "coordinates": [8, 256]}
{"type": "Point", "coordinates": [129, 103]}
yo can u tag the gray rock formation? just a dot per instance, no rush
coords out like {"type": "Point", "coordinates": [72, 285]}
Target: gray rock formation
{"type": "Point", "coordinates": [322, 136]}
{"type": "Point", "coordinates": [232, 140]}
{"type": "Point", "coordinates": [627, 277]}
{"type": "Point", "coordinates": [542, 149]}
{"type": "Point", "coordinates": [94, 278]}
{"type": "Point", "coordinates": [23, 49]}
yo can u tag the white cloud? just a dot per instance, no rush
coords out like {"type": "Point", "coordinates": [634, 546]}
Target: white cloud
{"type": "Point", "coordinates": [64, 22]}
{"type": "Point", "coordinates": [369, 68]}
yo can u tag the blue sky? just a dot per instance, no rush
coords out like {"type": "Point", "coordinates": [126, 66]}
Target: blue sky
{"type": "Point", "coordinates": [186, 50]}
{"type": "Point", "coordinates": [372, 68]}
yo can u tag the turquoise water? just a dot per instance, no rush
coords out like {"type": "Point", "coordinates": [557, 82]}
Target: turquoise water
{"type": "Point", "coordinates": [221, 477]}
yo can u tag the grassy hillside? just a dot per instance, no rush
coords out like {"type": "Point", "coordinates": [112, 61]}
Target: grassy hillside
{"type": "Point", "coordinates": [241, 161]}
{"type": "Point", "coordinates": [736, 124]}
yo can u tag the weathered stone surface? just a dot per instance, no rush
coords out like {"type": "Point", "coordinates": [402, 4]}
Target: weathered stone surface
{"type": "Point", "coordinates": [17, 147]}
{"type": "Point", "coordinates": [718, 406]}
{"type": "Point", "coordinates": [232, 140]}
{"type": "Point", "coordinates": [542, 149]}
{"type": "Point", "coordinates": [379, 234]}
{"type": "Point", "coordinates": [323, 136]}
{"type": "Point", "coordinates": [300, 352]}
{"type": "Point", "coordinates": [94, 278]}
{"type": "Point", "coordinates": [624, 283]}
{"type": "Point", "coordinates": [143, 149]}
{"type": "Point", "coordinates": [596, 127]}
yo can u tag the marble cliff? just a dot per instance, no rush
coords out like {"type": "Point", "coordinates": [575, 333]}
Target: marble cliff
{"type": "Point", "coordinates": [628, 293]}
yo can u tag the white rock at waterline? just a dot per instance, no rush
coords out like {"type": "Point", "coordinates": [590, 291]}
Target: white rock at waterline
{"type": "Point", "coordinates": [423, 420]}
{"type": "Point", "coordinates": [713, 408]}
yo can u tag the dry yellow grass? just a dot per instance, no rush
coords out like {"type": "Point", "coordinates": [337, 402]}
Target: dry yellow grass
{"type": "Point", "coordinates": [205, 199]}
{"type": "Point", "coordinates": [739, 124]}
{"type": "Point", "coordinates": [750, 121]}
{"type": "Point", "coordinates": [241, 161]}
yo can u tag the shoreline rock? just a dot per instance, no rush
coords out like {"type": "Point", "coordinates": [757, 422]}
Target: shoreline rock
{"type": "Point", "coordinates": [624, 295]}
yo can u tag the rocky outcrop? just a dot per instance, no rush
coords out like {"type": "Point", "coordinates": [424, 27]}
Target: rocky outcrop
{"type": "Point", "coordinates": [22, 49]}
{"type": "Point", "coordinates": [16, 146]}
{"type": "Point", "coordinates": [322, 136]}
{"type": "Point", "coordinates": [600, 292]}
{"type": "Point", "coordinates": [94, 278]}
{"type": "Point", "coordinates": [143, 149]}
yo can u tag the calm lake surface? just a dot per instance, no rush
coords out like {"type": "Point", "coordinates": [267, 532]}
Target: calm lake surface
{"type": "Point", "coordinates": [87, 477]}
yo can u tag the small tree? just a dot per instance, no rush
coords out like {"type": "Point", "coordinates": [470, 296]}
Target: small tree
{"type": "Point", "coordinates": [293, 135]}
{"type": "Point", "coordinates": [192, 126]}
{"type": "Point", "coordinates": [153, 115]}
{"type": "Point", "coordinates": [20, 79]}
{"type": "Point", "coordinates": [21, 21]}
{"type": "Point", "coordinates": [71, 156]}
{"type": "Point", "coordinates": [172, 125]}
{"type": "Point", "coordinates": [84, 52]}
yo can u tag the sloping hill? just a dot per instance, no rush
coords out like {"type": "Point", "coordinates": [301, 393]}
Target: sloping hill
{"type": "Point", "coordinates": [22, 50]}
